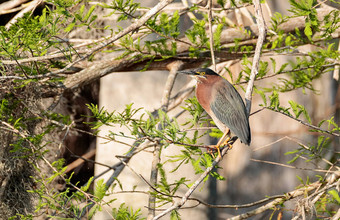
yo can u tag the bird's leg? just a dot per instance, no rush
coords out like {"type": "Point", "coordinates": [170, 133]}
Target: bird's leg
{"type": "Point", "coordinates": [222, 141]}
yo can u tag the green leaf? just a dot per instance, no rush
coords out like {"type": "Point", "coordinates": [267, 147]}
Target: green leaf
{"type": "Point", "coordinates": [217, 35]}
{"type": "Point", "coordinates": [295, 108]}
{"type": "Point", "coordinates": [221, 3]}
{"type": "Point", "coordinates": [335, 195]}
{"type": "Point", "coordinates": [293, 160]}
{"type": "Point", "coordinates": [81, 10]}
{"type": "Point", "coordinates": [292, 152]}
{"type": "Point", "coordinates": [282, 68]}
{"type": "Point", "coordinates": [263, 96]}
{"type": "Point", "coordinates": [288, 41]}
{"type": "Point", "coordinates": [308, 30]}
{"type": "Point", "coordinates": [217, 176]}
{"type": "Point", "coordinates": [305, 113]}
{"type": "Point", "coordinates": [88, 184]}
{"type": "Point", "coordinates": [89, 13]}
{"type": "Point", "coordinates": [174, 215]}
{"type": "Point", "coordinates": [93, 211]}
{"type": "Point", "coordinates": [274, 100]}
{"type": "Point", "coordinates": [300, 179]}
{"type": "Point", "coordinates": [100, 190]}
{"type": "Point", "coordinates": [273, 64]}
{"type": "Point", "coordinates": [70, 27]}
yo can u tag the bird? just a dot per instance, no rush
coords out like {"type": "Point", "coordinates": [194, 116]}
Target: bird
{"type": "Point", "coordinates": [223, 103]}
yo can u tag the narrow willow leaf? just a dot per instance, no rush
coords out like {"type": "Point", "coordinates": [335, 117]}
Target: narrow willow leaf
{"type": "Point", "coordinates": [308, 30]}
{"type": "Point", "coordinates": [335, 195]}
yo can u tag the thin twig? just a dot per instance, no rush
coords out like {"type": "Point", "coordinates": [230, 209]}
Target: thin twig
{"type": "Point", "coordinates": [291, 167]}
{"type": "Point", "coordinates": [305, 123]}
{"type": "Point", "coordinates": [289, 71]}
{"type": "Point", "coordinates": [182, 94]}
{"type": "Point", "coordinates": [254, 70]}
{"type": "Point", "coordinates": [189, 13]}
{"type": "Point", "coordinates": [226, 7]}
{"type": "Point", "coordinates": [337, 215]}
{"type": "Point", "coordinates": [269, 11]}
{"type": "Point", "coordinates": [295, 141]}
{"type": "Point", "coordinates": [81, 160]}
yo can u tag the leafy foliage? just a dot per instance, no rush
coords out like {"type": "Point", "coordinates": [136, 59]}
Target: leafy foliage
{"type": "Point", "coordinates": [38, 46]}
{"type": "Point", "coordinates": [124, 213]}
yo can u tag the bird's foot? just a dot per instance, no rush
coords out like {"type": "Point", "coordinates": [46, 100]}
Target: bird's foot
{"type": "Point", "coordinates": [224, 143]}
{"type": "Point", "coordinates": [221, 143]}
{"type": "Point", "coordinates": [212, 150]}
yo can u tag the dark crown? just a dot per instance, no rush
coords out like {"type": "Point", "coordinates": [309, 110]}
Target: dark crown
{"type": "Point", "coordinates": [204, 71]}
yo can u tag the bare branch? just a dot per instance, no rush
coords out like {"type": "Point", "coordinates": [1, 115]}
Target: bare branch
{"type": "Point", "coordinates": [174, 67]}
{"type": "Point", "coordinates": [211, 35]}
{"type": "Point", "coordinates": [10, 6]}
{"type": "Point", "coordinates": [30, 8]}
{"type": "Point", "coordinates": [189, 13]}
{"type": "Point", "coordinates": [292, 167]}
{"type": "Point", "coordinates": [254, 69]}
{"type": "Point", "coordinates": [182, 94]}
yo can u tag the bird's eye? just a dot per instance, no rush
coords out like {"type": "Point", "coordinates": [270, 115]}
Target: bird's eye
{"type": "Point", "coordinates": [201, 73]}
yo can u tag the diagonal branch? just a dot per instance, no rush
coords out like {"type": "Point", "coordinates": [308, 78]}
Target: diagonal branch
{"type": "Point", "coordinates": [305, 123]}
{"type": "Point", "coordinates": [134, 26]}
{"type": "Point", "coordinates": [254, 69]}
{"type": "Point", "coordinates": [180, 203]}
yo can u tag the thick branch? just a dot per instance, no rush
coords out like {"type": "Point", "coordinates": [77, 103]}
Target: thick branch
{"type": "Point", "coordinates": [103, 68]}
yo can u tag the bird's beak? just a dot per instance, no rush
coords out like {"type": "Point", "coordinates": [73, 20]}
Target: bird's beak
{"type": "Point", "coordinates": [194, 74]}
{"type": "Point", "coordinates": [188, 72]}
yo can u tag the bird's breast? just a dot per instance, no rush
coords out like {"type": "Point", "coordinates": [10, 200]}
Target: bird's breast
{"type": "Point", "coordinates": [205, 92]}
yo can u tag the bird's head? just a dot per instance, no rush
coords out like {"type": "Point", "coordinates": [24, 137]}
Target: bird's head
{"type": "Point", "coordinates": [199, 73]}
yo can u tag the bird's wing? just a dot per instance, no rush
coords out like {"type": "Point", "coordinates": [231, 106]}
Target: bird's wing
{"type": "Point", "coordinates": [229, 108]}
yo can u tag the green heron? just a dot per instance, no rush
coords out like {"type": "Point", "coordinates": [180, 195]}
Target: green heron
{"type": "Point", "coordinates": [223, 103]}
